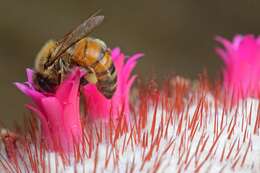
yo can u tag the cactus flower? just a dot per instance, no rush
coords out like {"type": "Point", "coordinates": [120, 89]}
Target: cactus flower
{"type": "Point", "coordinates": [242, 65]}
{"type": "Point", "coordinates": [59, 113]}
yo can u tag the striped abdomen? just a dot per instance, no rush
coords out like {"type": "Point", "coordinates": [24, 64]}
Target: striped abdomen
{"type": "Point", "coordinates": [93, 54]}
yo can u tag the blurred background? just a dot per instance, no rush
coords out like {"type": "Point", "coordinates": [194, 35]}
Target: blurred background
{"type": "Point", "coordinates": [177, 36]}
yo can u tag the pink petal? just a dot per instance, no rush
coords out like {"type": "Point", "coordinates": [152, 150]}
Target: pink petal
{"type": "Point", "coordinates": [35, 95]}
{"type": "Point", "coordinates": [72, 119]}
{"type": "Point", "coordinates": [228, 45]}
{"type": "Point", "coordinates": [115, 53]}
{"type": "Point", "coordinates": [53, 109]}
{"type": "Point", "coordinates": [29, 73]}
{"type": "Point", "coordinates": [44, 124]}
{"type": "Point", "coordinates": [63, 91]}
{"type": "Point", "coordinates": [69, 88]}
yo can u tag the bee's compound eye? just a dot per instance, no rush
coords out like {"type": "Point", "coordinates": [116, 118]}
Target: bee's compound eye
{"type": "Point", "coordinates": [41, 81]}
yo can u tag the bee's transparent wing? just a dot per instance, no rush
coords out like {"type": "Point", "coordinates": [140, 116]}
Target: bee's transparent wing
{"type": "Point", "coordinates": [80, 32]}
{"type": "Point", "coordinates": [83, 30]}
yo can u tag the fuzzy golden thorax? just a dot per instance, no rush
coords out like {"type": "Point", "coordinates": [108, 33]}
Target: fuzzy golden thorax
{"type": "Point", "coordinates": [43, 57]}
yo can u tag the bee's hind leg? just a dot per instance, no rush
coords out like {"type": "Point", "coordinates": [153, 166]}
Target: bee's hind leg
{"type": "Point", "coordinates": [89, 77]}
{"type": "Point", "coordinates": [83, 81]}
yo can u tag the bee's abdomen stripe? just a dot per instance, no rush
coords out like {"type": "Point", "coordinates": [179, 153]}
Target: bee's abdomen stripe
{"type": "Point", "coordinates": [108, 95]}
{"type": "Point", "coordinates": [108, 91]}
{"type": "Point", "coordinates": [109, 81]}
{"type": "Point", "coordinates": [107, 88]}
{"type": "Point", "coordinates": [101, 74]}
{"type": "Point", "coordinates": [111, 70]}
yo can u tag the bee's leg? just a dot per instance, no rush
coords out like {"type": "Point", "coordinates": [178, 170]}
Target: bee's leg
{"type": "Point", "coordinates": [63, 70]}
{"type": "Point", "coordinates": [83, 81]}
{"type": "Point", "coordinates": [89, 77]}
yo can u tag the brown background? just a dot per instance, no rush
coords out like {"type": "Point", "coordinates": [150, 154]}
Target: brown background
{"type": "Point", "coordinates": [177, 36]}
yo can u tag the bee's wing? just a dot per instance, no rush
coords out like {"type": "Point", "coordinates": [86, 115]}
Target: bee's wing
{"type": "Point", "coordinates": [83, 30]}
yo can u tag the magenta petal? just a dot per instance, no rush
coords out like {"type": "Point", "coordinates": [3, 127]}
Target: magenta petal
{"type": "Point", "coordinates": [119, 62]}
{"type": "Point", "coordinates": [35, 95]}
{"type": "Point", "coordinates": [131, 63]}
{"type": "Point", "coordinates": [92, 97]}
{"type": "Point", "coordinates": [222, 54]}
{"type": "Point", "coordinates": [227, 44]}
{"type": "Point", "coordinates": [69, 86]}
{"type": "Point", "coordinates": [63, 91]}
{"type": "Point", "coordinates": [237, 40]}
{"type": "Point", "coordinates": [55, 114]}
{"type": "Point", "coordinates": [130, 82]}
{"type": "Point", "coordinates": [115, 53]}
{"type": "Point", "coordinates": [72, 120]}
{"type": "Point", "coordinates": [75, 87]}
{"type": "Point", "coordinates": [53, 109]}
{"type": "Point", "coordinates": [29, 73]}
{"type": "Point", "coordinates": [40, 115]}
{"type": "Point", "coordinates": [22, 87]}
{"type": "Point", "coordinates": [46, 134]}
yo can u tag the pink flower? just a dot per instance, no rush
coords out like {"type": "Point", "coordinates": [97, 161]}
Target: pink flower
{"type": "Point", "coordinates": [99, 107]}
{"type": "Point", "coordinates": [59, 113]}
{"type": "Point", "coordinates": [242, 65]}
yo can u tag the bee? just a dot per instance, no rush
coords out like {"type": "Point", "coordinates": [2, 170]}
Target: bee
{"type": "Point", "coordinates": [57, 58]}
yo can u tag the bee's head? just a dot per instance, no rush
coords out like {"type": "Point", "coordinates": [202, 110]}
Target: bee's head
{"type": "Point", "coordinates": [42, 83]}
{"type": "Point", "coordinates": [44, 55]}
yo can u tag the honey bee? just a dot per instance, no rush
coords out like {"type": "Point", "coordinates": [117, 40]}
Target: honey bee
{"type": "Point", "coordinates": [57, 58]}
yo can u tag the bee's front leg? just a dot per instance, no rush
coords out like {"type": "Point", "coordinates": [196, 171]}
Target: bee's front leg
{"type": "Point", "coordinates": [63, 70]}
